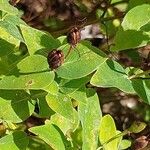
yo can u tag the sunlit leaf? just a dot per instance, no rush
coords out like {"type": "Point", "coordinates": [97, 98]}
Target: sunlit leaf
{"type": "Point", "coordinates": [31, 73]}
{"type": "Point", "coordinates": [112, 74]}
{"type": "Point", "coordinates": [6, 7]}
{"type": "Point", "coordinates": [81, 62]}
{"type": "Point", "coordinates": [61, 104]}
{"type": "Point", "coordinates": [37, 40]}
{"type": "Point", "coordinates": [51, 134]}
{"type": "Point", "coordinates": [90, 116]}
{"type": "Point", "coordinates": [136, 17]}
{"type": "Point", "coordinates": [107, 131]}
{"type": "Point", "coordinates": [65, 124]}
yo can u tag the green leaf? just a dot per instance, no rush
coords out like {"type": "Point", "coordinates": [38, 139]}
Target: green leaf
{"type": "Point", "coordinates": [6, 7]}
{"type": "Point", "coordinates": [51, 135]}
{"type": "Point", "coordinates": [18, 140]}
{"type": "Point", "coordinates": [112, 74]}
{"type": "Point", "coordinates": [5, 35]}
{"type": "Point", "coordinates": [61, 104]}
{"type": "Point", "coordinates": [32, 73]}
{"type": "Point", "coordinates": [137, 127]}
{"type": "Point", "coordinates": [76, 137]}
{"type": "Point", "coordinates": [64, 124]}
{"type": "Point", "coordinates": [129, 39]}
{"type": "Point", "coordinates": [107, 131]}
{"type": "Point", "coordinates": [15, 20]}
{"type": "Point", "coordinates": [70, 86]}
{"type": "Point", "coordinates": [90, 115]}
{"type": "Point", "coordinates": [37, 144]}
{"type": "Point", "coordinates": [5, 48]}
{"type": "Point", "coordinates": [52, 88]}
{"type": "Point", "coordinates": [142, 88]}
{"type": "Point", "coordinates": [134, 3]}
{"type": "Point", "coordinates": [124, 144]}
{"type": "Point", "coordinates": [82, 64]}
{"type": "Point", "coordinates": [79, 95]}
{"type": "Point", "coordinates": [136, 18]}
{"type": "Point", "coordinates": [133, 33]}
{"type": "Point", "coordinates": [8, 27]}
{"type": "Point", "coordinates": [37, 41]}
{"type": "Point", "coordinates": [44, 110]}
{"type": "Point", "coordinates": [15, 106]}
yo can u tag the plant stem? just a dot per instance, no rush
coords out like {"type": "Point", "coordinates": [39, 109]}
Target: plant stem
{"type": "Point", "coordinates": [139, 75]}
{"type": "Point", "coordinates": [113, 138]}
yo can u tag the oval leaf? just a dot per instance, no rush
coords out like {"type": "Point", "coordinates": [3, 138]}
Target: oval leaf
{"type": "Point", "coordinates": [65, 124]}
{"type": "Point", "coordinates": [122, 40]}
{"type": "Point", "coordinates": [137, 127]}
{"type": "Point", "coordinates": [51, 135]}
{"type": "Point", "coordinates": [142, 88]}
{"type": "Point", "coordinates": [90, 115]}
{"type": "Point", "coordinates": [32, 73]}
{"type": "Point", "coordinates": [137, 17]}
{"type": "Point", "coordinates": [37, 40]}
{"type": "Point", "coordinates": [112, 74]}
{"type": "Point", "coordinates": [107, 131]}
{"type": "Point", "coordinates": [82, 65]}
{"type": "Point", "coordinates": [61, 104]}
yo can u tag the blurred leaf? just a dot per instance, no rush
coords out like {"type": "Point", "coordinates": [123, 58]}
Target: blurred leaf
{"type": "Point", "coordinates": [124, 144]}
{"type": "Point", "coordinates": [6, 7]}
{"type": "Point", "coordinates": [90, 115]}
{"type": "Point", "coordinates": [61, 104]}
{"type": "Point", "coordinates": [134, 3]}
{"type": "Point", "coordinates": [142, 88]}
{"type": "Point", "coordinates": [137, 127]}
{"type": "Point", "coordinates": [108, 131]}
{"type": "Point", "coordinates": [37, 40]}
{"type": "Point", "coordinates": [51, 135]}
{"type": "Point", "coordinates": [32, 73]}
{"type": "Point", "coordinates": [131, 35]}
{"type": "Point", "coordinates": [136, 18]}
{"type": "Point", "coordinates": [112, 74]}
{"type": "Point", "coordinates": [18, 140]}
{"type": "Point", "coordinates": [80, 65]}
{"type": "Point", "coordinates": [65, 124]}
{"type": "Point", "coordinates": [129, 39]}
{"type": "Point", "coordinates": [15, 106]}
